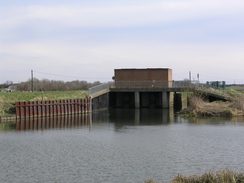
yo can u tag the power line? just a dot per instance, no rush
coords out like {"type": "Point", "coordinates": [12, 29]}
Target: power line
{"type": "Point", "coordinates": [221, 77]}
{"type": "Point", "coordinates": [67, 75]}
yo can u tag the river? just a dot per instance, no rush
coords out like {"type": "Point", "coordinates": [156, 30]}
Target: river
{"type": "Point", "coordinates": [122, 145]}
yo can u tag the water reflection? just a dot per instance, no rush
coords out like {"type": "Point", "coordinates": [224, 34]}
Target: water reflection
{"type": "Point", "coordinates": [68, 121]}
{"type": "Point", "coordinates": [141, 116]}
{"type": "Point", "coordinates": [7, 126]}
{"type": "Point", "coordinates": [122, 145]}
{"type": "Point", "coordinates": [118, 117]}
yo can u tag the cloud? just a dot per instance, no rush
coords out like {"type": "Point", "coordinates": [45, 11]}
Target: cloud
{"type": "Point", "coordinates": [92, 39]}
{"type": "Point", "coordinates": [116, 15]}
{"type": "Point", "coordinates": [97, 62]}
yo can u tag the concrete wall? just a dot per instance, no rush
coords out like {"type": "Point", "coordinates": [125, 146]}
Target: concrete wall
{"type": "Point", "coordinates": [122, 99]}
{"type": "Point", "coordinates": [100, 102]}
{"type": "Point", "coordinates": [163, 100]}
{"type": "Point", "coordinates": [140, 99]}
{"type": "Point", "coordinates": [151, 99]}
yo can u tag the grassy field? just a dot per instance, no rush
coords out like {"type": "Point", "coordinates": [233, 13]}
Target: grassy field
{"type": "Point", "coordinates": [236, 87]}
{"type": "Point", "coordinates": [7, 100]}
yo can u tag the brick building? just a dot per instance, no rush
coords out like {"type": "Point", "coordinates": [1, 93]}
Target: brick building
{"type": "Point", "coordinates": [148, 77]}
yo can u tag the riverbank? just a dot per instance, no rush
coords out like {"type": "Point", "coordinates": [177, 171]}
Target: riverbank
{"type": "Point", "coordinates": [7, 100]}
{"type": "Point", "coordinates": [199, 107]}
{"type": "Point", "coordinates": [227, 176]}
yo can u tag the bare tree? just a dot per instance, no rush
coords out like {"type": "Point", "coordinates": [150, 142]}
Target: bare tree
{"type": "Point", "coordinates": [54, 85]}
{"type": "Point", "coordinates": [8, 82]}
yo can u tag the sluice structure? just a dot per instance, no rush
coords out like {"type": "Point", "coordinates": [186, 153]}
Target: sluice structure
{"type": "Point", "coordinates": [137, 88]}
{"type": "Point", "coordinates": [146, 88]}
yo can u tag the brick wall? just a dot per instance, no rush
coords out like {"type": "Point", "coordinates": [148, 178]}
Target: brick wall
{"type": "Point", "coordinates": [143, 74]}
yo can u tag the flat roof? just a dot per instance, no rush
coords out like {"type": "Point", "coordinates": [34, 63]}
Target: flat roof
{"type": "Point", "coordinates": [144, 69]}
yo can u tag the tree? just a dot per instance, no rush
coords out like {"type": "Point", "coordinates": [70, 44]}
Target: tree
{"type": "Point", "coordinates": [54, 85]}
{"type": "Point", "coordinates": [8, 82]}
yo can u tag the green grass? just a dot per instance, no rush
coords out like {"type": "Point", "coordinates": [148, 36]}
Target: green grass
{"type": "Point", "coordinates": [7, 100]}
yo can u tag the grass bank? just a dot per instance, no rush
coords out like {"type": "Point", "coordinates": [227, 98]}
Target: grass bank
{"type": "Point", "coordinates": [209, 177]}
{"type": "Point", "coordinates": [198, 107]}
{"type": "Point", "coordinates": [7, 100]}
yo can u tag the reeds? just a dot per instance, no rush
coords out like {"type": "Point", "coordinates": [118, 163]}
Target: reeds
{"type": "Point", "coordinates": [211, 177]}
{"type": "Point", "coordinates": [238, 101]}
{"type": "Point", "coordinates": [198, 107]}
{"type": "Point", "coordinates": [226, 176]}
{"type": "Point", "coordinates": [195, 102]}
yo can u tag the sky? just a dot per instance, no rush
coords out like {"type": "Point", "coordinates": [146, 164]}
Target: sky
{"type": "Point", "coordinates": [87, 40]}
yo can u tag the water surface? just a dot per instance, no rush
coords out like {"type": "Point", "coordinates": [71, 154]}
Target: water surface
{"type": "Point", "coordinates": [123, 145]}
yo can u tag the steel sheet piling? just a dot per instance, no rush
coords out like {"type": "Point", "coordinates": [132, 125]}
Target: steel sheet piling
{"type": "Point", "coordinates": [51, 108]}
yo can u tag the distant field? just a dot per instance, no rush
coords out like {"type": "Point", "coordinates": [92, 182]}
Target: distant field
{"type": "Point", "coordinates": [7, 100]}
{"type": "Point", "coordinates": [236, 87]}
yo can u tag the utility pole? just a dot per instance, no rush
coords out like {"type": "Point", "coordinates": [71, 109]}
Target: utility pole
{"type": "Point", "coordinates": [190, 76]}
{"type": "Point", "coordinates": [32, 81]}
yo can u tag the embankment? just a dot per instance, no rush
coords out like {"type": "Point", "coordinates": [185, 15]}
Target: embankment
{"type": "Point", "coordinates": [198, 107]}
{"type": "Point", "coordinates": [7, 100]}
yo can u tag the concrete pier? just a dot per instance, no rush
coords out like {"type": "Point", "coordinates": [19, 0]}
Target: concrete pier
{"type": "Point", "coordinates": [165, 100]}
{"type": "Point", "coordinates": [136, 99]}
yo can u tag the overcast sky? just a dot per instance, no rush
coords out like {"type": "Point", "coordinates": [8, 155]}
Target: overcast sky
{"type": "Point", "coordinates": [87, 40]}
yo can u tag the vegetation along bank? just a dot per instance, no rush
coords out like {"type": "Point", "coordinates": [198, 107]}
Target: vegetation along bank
{"type": "Point", "coordinates": [226, 176]}
{"type": "Point", "coordinates": [198, 106]}
{"type": "Point", "coordinates": [7, 100]}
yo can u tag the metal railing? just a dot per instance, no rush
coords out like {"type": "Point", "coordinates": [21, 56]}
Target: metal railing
{"type": "Point", "coordinates": [158, 84]}
{"type": "Point", "coordinates": [145, 84]}
{"type": "Point", "coordinates": [100, 88]}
